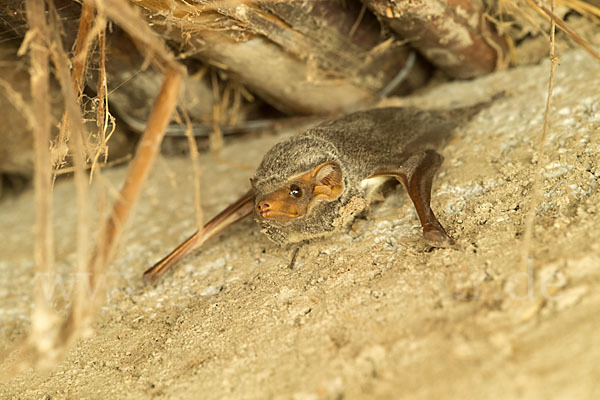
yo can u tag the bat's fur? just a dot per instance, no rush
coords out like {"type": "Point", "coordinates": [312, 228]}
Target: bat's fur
{"type": "Point", "coordinates": [359, 143]}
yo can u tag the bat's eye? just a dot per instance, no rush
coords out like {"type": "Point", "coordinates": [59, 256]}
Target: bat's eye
{"type": "Point", "coordinates": [295, 191]}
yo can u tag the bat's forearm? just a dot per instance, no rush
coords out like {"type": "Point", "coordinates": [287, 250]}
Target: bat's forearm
{"type": "Point", "coordinates": [236, 211]}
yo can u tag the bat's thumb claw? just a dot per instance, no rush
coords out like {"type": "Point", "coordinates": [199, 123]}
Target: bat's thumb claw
{"type": "Point", "coordinates": [148, 278]}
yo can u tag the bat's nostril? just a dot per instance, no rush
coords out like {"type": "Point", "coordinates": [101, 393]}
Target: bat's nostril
{"type": "Point", "coordinates": [262, 206]}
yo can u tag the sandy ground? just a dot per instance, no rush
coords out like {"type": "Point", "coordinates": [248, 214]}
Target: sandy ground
{"type": "Point", "coordinates": [367, 313]}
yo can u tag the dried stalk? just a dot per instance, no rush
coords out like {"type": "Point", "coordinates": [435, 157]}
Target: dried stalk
{"type": "Point", "coordinates": [216, 136]}
{"type": "Point", "coordinates": [526, 256]}
{"type": "Point", "coordinates": [85, 37]}
{"type": "Point", "coordinates": [82, 45]}
{"type": "Point", "coordinates": [556, 21]}
{"type": "Point", "coordinates": [143, 160]}
{"type": "Point", "coordinates": [112, 163]}
{"type": "Point", "coordinates": [359, 19]}
{"type": "Point", "coordinates": [130, 20]}
{"type": "Point", "coordinates": [189, 133]}
{"type": "Point", "coordinates": [112, 228]}
{"type": "Point", "coordinates": [102, 114]}
{"type": "Point", "coordinates": [42, 335]}
{"type": "Point", "coordinates": [19, 103]}
{"type": "Point", "coordinates": [73, 121]}
{"type": "Point", "coordinates": [47, 342]}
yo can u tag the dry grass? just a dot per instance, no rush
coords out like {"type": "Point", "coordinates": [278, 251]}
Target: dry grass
{"type": "Point", "coordinates": [536, 192]}
{"type": "Point", "coordinates": [196, 165]}
{"type": "Point", "coordinates": [44, 317]}
{"type": "Point", "coordinates": [518, 19]}
{"type": "Point", "coordinates": [556, 21]}
{"type": "Point", "coordinates": [51, 336]}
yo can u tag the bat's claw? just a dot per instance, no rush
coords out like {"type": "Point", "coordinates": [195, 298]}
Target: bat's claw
{"type": "Point", "coordinates": [437, 238]}
{"type": "Point", "coordinates": [149, 278]}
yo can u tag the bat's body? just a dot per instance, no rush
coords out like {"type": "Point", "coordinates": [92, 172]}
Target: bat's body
{"type": "Point", "coordinates": [392, 142]}
{"type": "Point", "coordinates": [313, 183]}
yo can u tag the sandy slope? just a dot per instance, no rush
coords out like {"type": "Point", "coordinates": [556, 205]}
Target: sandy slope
{"type": "Point", "coordinates": [367, 313]}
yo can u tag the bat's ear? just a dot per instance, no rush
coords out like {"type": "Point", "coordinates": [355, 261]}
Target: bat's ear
{"type": "Point", "coordinates": [327, 180]}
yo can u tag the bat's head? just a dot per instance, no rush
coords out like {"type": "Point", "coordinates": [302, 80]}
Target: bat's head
{"type": "Point", "coordinates": [299, 194]}
{"type": "Point", "coordinates": [298, 189]}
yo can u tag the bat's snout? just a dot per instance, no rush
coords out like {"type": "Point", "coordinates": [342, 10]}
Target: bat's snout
{"type": "Point", "coordinates": [276, 208]}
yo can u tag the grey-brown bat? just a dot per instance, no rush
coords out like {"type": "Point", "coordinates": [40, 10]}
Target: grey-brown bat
{"type": "Point", "coordinates": [315, 182]}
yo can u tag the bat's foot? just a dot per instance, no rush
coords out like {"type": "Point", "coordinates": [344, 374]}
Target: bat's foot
{"type": "Point", "coordinates": [437, 238]}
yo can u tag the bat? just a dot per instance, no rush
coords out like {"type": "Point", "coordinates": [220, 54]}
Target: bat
{"type": "Point", "coordinates": [317, 181]}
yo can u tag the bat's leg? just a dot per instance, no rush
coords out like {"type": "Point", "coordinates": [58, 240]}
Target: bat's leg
{"type": "Point", "coordinates": [416, 175]}
{"type": "Point", "coordinates": [417, 182]}
{"type": "Point", "coordinates": [233, 213]}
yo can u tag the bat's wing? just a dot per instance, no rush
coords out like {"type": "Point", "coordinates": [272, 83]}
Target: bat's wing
{"type": "Point", "coordinates": [416, 175]}
{"type": "Point", "coordinates": [231, 214]}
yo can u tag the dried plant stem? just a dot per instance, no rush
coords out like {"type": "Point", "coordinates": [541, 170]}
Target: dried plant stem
{"type": "Point", "coordinates": [129, 19]}
{"type": "Point", "coordinates": [73, 121]}
{"type": "Point", "coordinates": [112, 163]}
{"type": "Point", "coordinates": [17, 101]}
{"type": "Point", "coordinates": [557, 21]}
{"type": "Point", "coordinates": [537, 185]}
{"type": "Point", "coordinates": [216, 136]}
{"type": "Point", "coordinates": [359, 19]}
{"type": "Point", "coordinates": [189, 133]}
{"type": "Point", "coordinates": [43, 318]}
{"type": "Point", "coordinates": [48, 342]}
{"type": "Point", "coordinates": [102, 114]}
{"type": "Point", "coordinates": [112, 228]}
{"type": "Point", "coordinates": [82, 45]}
{"type": "Point", "coordinates": [146, 153]}
{"type": "Point", "coordinates": [85, 36]}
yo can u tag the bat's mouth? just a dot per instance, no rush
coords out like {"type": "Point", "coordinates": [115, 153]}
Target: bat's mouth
{"type": "Point", "coordinates": [266, 214]}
